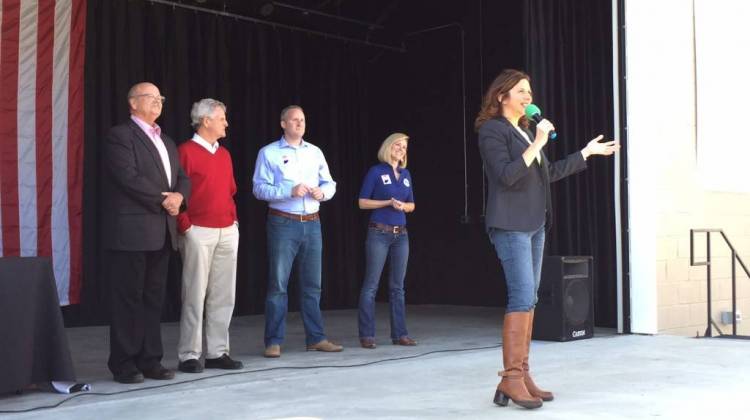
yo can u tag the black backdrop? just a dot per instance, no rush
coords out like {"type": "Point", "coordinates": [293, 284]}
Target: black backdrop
{"type": "Point", "coordinates": [354, 96]}
{"type": "Point", "coordinates": [569, 57]}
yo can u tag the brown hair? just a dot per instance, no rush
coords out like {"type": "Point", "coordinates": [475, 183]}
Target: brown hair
{"type": "Point", "coordinates": [500, 87]}
{"type": "Point", "coordinates": [289, 108]}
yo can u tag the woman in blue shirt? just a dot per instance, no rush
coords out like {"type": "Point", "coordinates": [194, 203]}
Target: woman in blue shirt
{"type": "Point", "coordinates": [387, 191]}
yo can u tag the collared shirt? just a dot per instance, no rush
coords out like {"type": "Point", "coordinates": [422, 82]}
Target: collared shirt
{"type": "Point", "coordinates": [154, 133]}
{"type": "Point", "coordinates": [380, 183]}
{"type": "Point", "coordinates": [205, 144]}
{"type": "Point", "coordinates": [281, 166]}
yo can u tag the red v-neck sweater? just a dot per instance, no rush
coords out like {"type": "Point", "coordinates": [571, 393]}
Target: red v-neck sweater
{"type": "Point", "coordinates": [213, 187]}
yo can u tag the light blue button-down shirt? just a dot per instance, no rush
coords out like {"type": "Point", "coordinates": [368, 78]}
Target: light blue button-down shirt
{"type": "Point", "coordinates": [281, 166]}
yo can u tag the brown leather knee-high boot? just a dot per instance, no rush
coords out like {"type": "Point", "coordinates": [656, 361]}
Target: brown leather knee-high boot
{"type": "Point", "coordinates": [512, 385]}
{"type": "Point", "coordinates": [530, 385]}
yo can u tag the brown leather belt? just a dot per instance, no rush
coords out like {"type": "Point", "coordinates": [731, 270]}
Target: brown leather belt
{"type": "Point", "coordinates": [297, 217]}
{"type": "Point", "coordinates": [388, 228]}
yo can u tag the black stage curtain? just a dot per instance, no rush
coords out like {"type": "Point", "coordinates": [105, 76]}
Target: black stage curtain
{"type": "Point", "coordinates": [256, 71]}
{"type": "Point", "coordinates": [353, 96]}
{"type": "Point", "coordinates": [451, 259]}
{"type": "Point", "coordinates": [569, 58]}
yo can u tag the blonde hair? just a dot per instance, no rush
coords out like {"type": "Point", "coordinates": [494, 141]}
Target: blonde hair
{"type": "Point", "coordinates": [384, 153]}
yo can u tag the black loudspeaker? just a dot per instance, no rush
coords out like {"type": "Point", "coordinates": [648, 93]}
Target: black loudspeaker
{"type": "Point", "coordinates": [565, 310]}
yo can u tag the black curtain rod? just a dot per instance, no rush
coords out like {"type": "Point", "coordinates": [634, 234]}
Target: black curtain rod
{"type": "Point", "coordinates": [369, 25]}
{"type": "Point", "coordinates": [277, 25]}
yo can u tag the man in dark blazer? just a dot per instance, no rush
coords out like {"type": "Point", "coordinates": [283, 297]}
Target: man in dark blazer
{"type": "Point", "coordinates": [144, 188]}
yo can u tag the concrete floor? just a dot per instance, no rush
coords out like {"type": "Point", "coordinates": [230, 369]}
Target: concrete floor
{"type": "Point", "coordinates": [451, 374]}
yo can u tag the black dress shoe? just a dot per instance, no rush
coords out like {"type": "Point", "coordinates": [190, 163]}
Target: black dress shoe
{"type": "Point", "coordinates": [134, 377]}
{"type": "Point", "coordinates": [223, 362]}
{"type": "Point", "coordinates": [158, 372]}
{"type": "Point", "coordinates": [190, 366]}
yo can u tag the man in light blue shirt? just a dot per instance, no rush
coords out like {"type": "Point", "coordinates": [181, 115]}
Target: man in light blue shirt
{"type": "Point", "coordinates": [293, 176]}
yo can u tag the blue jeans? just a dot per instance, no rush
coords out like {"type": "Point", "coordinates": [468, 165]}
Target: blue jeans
{"type": "Point", "coordinates": [379, 246]}
{"type": "Point", "coordinates": [298, 244]}
{"type": "Point", "coordinates": [521, 255]}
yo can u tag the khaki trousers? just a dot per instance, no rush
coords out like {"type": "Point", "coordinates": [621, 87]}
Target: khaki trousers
{"type": "Point", "coordinates": [209, 271]}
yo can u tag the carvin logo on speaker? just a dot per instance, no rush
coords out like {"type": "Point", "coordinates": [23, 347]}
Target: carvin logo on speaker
{"type": "Point", "coordinates": [579, 333]}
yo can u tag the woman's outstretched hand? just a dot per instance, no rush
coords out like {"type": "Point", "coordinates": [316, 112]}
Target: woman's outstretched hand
{"type": "Point", "coordinates": [599, 147]}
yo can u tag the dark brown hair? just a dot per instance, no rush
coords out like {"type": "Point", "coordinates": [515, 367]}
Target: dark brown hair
{"type": "Point", "coordinates": [500, 87]}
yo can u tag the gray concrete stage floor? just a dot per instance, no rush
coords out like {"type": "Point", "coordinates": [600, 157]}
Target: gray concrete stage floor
{"type": "Point", "coordinates": [609, 376]}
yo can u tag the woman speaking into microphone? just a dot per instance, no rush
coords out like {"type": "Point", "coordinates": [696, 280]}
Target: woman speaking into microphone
{"type": "Point", "coordinates": [518, 207]}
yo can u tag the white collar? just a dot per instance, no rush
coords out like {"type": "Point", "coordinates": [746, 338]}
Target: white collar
{"type": "Point", "coordinates": [206, 145]}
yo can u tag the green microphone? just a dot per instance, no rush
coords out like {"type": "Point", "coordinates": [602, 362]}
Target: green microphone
{"type": "Point", "coordinates": [535, 114]}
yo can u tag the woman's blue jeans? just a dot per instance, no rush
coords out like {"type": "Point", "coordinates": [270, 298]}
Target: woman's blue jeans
{"type": "Point", "coordinates": [380, 246]}
{"type": "Point", "coordinates": [521, 256]}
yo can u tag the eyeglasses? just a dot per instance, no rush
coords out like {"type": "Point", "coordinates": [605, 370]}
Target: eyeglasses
{"type": "Point", "coordinates": [151, 96]}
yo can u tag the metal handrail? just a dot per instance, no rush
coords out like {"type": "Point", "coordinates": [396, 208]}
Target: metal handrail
{"type": "Point", "coordinates": [735, 258]}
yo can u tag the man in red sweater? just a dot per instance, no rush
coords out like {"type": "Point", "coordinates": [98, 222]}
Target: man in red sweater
{"type": "Point", "coordinates": [209, 242]}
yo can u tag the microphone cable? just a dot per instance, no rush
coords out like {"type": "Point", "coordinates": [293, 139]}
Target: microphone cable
{"type": "Point", "coordinates": [245, 372]}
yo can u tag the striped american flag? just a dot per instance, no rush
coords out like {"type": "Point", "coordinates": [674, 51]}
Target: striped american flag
{"type": "Point", "coordinates": [41, 134]}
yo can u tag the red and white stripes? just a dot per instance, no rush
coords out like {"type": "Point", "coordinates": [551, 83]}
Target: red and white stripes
{"type": "Point", "coordinates": [41, 134]}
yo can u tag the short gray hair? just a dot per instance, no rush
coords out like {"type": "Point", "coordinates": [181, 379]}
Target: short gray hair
{"type": "Point", "coordinates": [287, 109]}
{"type": "Point", "coordinates": [133, 90]}
{"type": "Point", "coordinates": [203, 109]}
{"type": "Point", "coordinates": [136, 88]}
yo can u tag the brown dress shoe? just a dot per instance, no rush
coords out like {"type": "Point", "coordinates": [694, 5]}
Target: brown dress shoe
{"type": "Point", "coordinates": [272, 351]}
{"type": "Point", "coordinates": [405, 341]}
{"type": "Point", "coordinates": [326, 346]}
{"type": "Point", "coordinates": [159, 373]}
{"type": "Point", "coordinates": [367, 343]}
